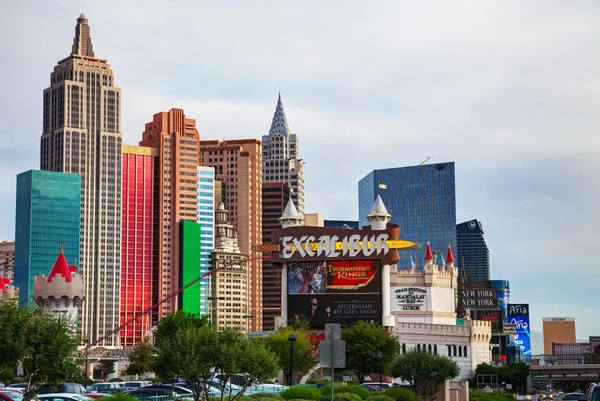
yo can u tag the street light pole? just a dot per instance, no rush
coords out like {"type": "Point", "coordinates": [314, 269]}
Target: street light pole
{"type": "Point", "coordinates": [292, 339]}
{"type": "Point", "coordinates": [380, 356]}
{"type": "Point", "coordinates": [87, 348]}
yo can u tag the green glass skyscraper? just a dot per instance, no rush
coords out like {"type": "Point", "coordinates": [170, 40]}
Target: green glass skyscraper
{"type": "Point", "coordinates": [189, 266]}
{"type": "Point", "coordinates": [47, 214]}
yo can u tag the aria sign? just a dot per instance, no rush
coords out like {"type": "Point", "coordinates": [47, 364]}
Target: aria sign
{"type": "Point", "coordinates": [304, 243]}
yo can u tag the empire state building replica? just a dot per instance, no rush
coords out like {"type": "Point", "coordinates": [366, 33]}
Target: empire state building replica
{"type": "Point", "coordinates": [82, 135]}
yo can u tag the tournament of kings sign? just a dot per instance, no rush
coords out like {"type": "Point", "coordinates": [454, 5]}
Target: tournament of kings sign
{"type": "Point", "coordinates": [408, 298]}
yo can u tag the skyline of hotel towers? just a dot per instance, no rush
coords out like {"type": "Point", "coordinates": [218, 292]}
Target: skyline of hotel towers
{"type": "Point", "coordinates": [177, 140]}
{"type": "Point", "coordinates": [237, 165]}
{"type": "Point", "coordinates": [82, 134]}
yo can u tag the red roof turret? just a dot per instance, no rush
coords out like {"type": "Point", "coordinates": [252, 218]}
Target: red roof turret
{"type": "Point", "coordinates": [428, 254]}
{"type": "Point", "coordinates": [61, 267]}
{"type": "Point", "coordinates": [3, 283]}
{"type": "Point", "coordinates": [450, 257]}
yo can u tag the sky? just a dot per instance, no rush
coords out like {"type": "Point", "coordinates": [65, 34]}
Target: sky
{"type": "Point", "coordinates": [508, 90]}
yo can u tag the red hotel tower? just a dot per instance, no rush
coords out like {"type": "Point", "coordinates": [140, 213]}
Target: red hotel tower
{"type": "Point", "coordinates": [139, 238]}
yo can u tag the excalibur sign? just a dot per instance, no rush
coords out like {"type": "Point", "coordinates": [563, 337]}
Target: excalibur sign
{"type": "Point", "coordinates": [332, 246]}
{"type": "Point", "coordinates": [320, 243]}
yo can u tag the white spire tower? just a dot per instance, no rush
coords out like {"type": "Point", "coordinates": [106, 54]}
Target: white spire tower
{"type": "Point", "coordinates": [379, 217]}
{"type": "Point", "coordinates": [290, 216]}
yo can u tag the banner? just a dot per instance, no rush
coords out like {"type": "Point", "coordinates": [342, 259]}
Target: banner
{"type": "Point", "coordinates": [519, 314]}
{"type": "Point", "coordinates": [334, 292]}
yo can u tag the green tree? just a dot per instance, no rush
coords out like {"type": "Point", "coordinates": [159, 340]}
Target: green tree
{"type": "Point", "coordinates": [12, 345]}
{"type": "Point", "coordinates": [363, 341]}
{"type": "Point", "coordinates": [106, 367]}
{"type": "Point", "coordinates": [189, 353]}
{"type": "Point", "coordinates": [278, 342]}
{"type": "Point", "coordinates": [196, 354]}
{"type": "Point", "coordinates": [51, 352]}
{"type": "Point", "coordinates": [176, 321]}
{"type": "Point", "coordinates": [140, 359]}
{"type": "Point", "coordinates": [516, 374]}
{"type": "Point", "coordinates": [424, 371]}
{"type": "Point", "coordinates": [253, 361]}
{"type": "Point", "coordinates": [596, 354]}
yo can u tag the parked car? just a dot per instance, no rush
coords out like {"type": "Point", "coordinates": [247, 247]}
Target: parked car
{"type": "Point", "coordinates": [11, 395]}
{"type": "Point", "coordinates": [66, 388]}
{"type": "Point", "coordinates": [573, 397]}
{"type": "Point", "coordinates": [107, 388]}
{"type": "Point", "coordinates": [63, 397]}
{"type": "Point", "coordinates": [178, 393]}
{"type": "Point", "coordinates": [17, 386]}
{"type": "Point", "coordinates": [593, 392]}
{"type": "Point", "coordinates": [265, 388]}
{"type": "Point", "coordinates": [377, 386]}
{"type": "Point", "coordinates": [134, 385]}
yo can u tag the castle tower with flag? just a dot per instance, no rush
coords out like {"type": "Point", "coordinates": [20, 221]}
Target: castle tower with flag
{"type": "Point", "coordinates": [62, 292]}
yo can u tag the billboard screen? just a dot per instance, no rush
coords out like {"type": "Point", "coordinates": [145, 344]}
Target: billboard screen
{"type": "Point", "coordinates": [494, 317]}
{"type": "Point", "coordinates": [519, 314]}
{"type": "Point", "coordinates": [503, 296]}
{"type": "Point", "coordinates": [334, 292]}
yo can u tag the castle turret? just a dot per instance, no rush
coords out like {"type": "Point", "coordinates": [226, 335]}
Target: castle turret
{"type": "Point", "coordinates": [7, 291]}
{"type": "Point", "coordinates": [449, 259]}
{"type": "Point", "coordinates": [290, 216]}
{"type": "Point", "coordinates": [62, 292]}
{"type": "Point", "coordinates": [428, 255]}
{"type": "Point", "coordinates": [379, 217]}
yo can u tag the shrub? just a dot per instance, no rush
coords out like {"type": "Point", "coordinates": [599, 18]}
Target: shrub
{"type": "Point", "coordinates": [263, 396]}
{"type": "Point", "coordinates": [482, 396]}
{"type": "Point", "coordinates": [345, 397]}
{"type": "Point", "coordinates": [362, 392]}
{"type": "Point", "coordinates": [301, 392]}
{"type": "Point", "coordinates": [119, 397]}
{"type": "Point", "coordinates": [380, 397]}
{"type": "Point", "coordinates": [17, 380]}
{"type": "Point", "coordinates": [400, 394]}
{"type": "Point", "coordinates": [115, 379]}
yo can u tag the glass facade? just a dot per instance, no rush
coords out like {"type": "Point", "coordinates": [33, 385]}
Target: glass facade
{"type": "Point", "coordinates": [421, 200]}
{"type": "Point", "coordinates": [139, 244]}
{"type": "Point", "coordinates": [206, 219]}
{"type": "Point", "coordinates": [189, 266]}
{"type": "Point", "coordinates": [48, 214]}
{"type": "Point", "coordinates": [472, 253]}
{"type": "Point", "coordinates": [350, 224]}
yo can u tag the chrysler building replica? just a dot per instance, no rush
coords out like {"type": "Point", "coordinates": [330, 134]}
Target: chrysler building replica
{"type": "Point", "coordinates": [280, 162]}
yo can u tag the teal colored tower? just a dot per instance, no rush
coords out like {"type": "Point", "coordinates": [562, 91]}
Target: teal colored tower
{"type": "Point", "coordinates": [47, 214]}
{"type": "Point", "coordinates": [189, 266]}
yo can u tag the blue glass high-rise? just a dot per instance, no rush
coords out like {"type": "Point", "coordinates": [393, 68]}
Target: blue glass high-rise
{"type": "Point", "coordinates": [48, 214]}
{"type": "Point", "coordinates": [421, 200]}
{"type": "Point", "coordinates": [472, 253]}
{"type": "Point", "coordinates": [206, 219]}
